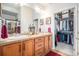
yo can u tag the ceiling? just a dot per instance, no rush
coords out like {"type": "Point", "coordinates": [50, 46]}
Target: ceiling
{"type": "Point", "coordinates": [51, 6]}
{"type": "Point", "coordinates": [31, 5]}
{"type": "Point", "coordinates": [42, 6]}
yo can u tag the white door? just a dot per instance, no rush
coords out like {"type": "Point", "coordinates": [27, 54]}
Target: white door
{"type": "Point", "coordinates": [0, 27]}
{"type": "Point", "coordinates": [75, 29]}
{"type": "Point", "coordinates": [78, 31]}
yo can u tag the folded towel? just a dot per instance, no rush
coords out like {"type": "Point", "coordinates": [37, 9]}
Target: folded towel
{"type": "Point", "coordinates": [49, 29]}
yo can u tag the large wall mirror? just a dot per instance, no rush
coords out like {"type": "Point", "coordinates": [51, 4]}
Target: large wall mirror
{"type": "Point", "coordinates": [11, 13]}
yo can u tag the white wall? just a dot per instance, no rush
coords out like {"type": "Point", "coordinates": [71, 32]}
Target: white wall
{"type": "Point", "coordinates": [26, 18]}
{"type": "Point", "coordinates": [55, 8]}
{"type": "Point", "coordinates": [36, 15]}
{"type": "Point", "coordinates": [40, 15]}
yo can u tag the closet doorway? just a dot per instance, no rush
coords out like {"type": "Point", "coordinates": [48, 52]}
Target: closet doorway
{"type": "Point", "coordinates": [64, 31]}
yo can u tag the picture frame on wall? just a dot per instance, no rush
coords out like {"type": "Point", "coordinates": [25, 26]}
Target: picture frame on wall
{"type": "Point", "coordinates": [48, 20]}
{"type": "Point", "coordinates": [41, 21]}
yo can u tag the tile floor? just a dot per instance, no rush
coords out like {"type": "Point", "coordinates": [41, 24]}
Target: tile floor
{"type": "Point", "coordinates": [65, 48]}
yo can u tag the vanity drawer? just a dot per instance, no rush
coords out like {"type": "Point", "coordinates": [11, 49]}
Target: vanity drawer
{"type": "Point", "coordinates": [39, 40]}
{"type": "Point", "coordinates": [39, 52]}
{"type": "Point", "coordinates": [39, 45]}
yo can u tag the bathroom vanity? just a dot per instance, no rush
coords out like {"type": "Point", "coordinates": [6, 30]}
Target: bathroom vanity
{"type": "Point", "coordinates": [26, 45]}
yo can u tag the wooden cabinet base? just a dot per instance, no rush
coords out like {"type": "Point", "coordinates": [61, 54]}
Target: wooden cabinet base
{"type": "Point", "coordinates": [12, 50]}
{"type": "Point", "coordinates": [29, 48]}
{"type": "Point", "coordinates": [38, 46]}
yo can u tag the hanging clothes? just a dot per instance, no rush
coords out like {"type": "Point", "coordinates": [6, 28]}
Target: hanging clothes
{"type": "Point", "coordinates": [65, 29]}
{"type": "Point", "coordinates": [70, 42]}
{"type": "Point", "coordinates": [71, 25]}
{"type": "Point", "coordinates": [64, 25]}
{"type": "Point", "coordinates": [61, 37]}
{"type": "Point", "coordinates": [61, 25]}
{"type": "Point", "coordinates": [72, 39]}
{"type": "Point", "coordinates": [55, 40]}
{"type": "Point", "coordinates": [68, 25]}
{"type": "Point", "coordinates": [58, 37]}
{"type": "Point", "coordinates": [68, 38]}
{"type": "Point", "coordinates": [65, 39]}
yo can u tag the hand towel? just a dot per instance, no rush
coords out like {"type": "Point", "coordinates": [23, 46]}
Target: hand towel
{"type": "Point", "coordinates": [4, 33]}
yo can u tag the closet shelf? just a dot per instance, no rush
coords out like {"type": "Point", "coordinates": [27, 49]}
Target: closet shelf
{"type": "Point", "coordinates": [64, 19]}
{"type": "Point", "coordinates": [67, 19]}
{"type": "Point", "coordinates": [68, 32]}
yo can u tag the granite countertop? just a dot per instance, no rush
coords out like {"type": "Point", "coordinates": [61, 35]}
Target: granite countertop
{"type": "Point", "coordinates": [20, 37]}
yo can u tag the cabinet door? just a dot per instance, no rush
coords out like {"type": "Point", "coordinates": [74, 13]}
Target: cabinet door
{"type": "Point", "coordinates": [39, 52]}
{"type": "Point", "coordinates": [12, 50]}
{"type": "Point", "coordinates": [46, 45]}
{"type": "Point", "coordinates": [39, 46]}
{"type": "Point", "coordinates": [0, 50]}
{"type": "Point", "coordinates": [50, 42]}
{"type": "Point", "coordinates": [28, 48]}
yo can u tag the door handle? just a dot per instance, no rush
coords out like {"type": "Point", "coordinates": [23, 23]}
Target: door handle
{"type": "Point", "coordinates": [23, 47]}
{"type": "Point", "coordinates": [19, 48]}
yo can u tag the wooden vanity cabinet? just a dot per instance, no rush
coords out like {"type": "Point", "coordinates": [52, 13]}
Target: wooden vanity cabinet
{"type": "Point", "coordinates": [12, 50]}
{"type": "Point", "coordinates": [43, 45]}
{"type": "Point", "coordinates": [38, 46]}
{"type": "Point", "coordinates": [50, 42]}
{"type": "Point", "coordinates": [28, 47]}
{"type": "Point", "coordinates": [46, 44]}
{"type": "Point", "coordinates": [0, 50]}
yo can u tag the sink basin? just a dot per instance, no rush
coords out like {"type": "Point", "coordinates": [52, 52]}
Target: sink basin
{"type": "Point", "coordinates": [17, 37]}
{"type": "Point", "coordinates": [13, 38]}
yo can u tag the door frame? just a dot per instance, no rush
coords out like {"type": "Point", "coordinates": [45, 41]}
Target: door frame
{"type": "Point", "coordinates": [75, 28]}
